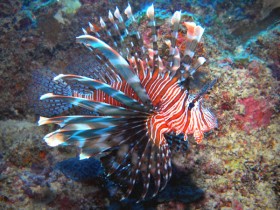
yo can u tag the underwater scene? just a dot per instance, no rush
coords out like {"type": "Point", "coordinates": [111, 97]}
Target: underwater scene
{"type": "Point", "coordinates": [140, 104]}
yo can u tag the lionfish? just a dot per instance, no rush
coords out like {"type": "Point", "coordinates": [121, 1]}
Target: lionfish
{"type": "Point", "coordinates": [137, 100]}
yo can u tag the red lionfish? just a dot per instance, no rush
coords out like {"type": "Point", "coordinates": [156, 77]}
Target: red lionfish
{"type": "Point", "coordinates": [138, 99]}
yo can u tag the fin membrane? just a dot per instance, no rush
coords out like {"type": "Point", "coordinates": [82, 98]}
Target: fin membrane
{"type": "Point", "coordinates": [42, 82]}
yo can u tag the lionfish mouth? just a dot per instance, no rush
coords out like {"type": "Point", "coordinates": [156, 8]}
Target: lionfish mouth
{"type": "Point", "coordinates": [134, 99]}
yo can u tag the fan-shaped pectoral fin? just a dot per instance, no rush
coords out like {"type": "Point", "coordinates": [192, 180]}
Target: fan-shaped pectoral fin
{"type": "Point", "coordinates": [120, 64]}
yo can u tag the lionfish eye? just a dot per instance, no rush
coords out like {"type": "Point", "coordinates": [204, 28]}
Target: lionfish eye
{"type": "Point", "coordinates": [191, 105]}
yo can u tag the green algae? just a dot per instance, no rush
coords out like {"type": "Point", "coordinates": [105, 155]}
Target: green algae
{"type": "Point", "coordinates": [70, 6]}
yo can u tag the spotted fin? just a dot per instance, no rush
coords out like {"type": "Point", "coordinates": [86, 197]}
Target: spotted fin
{"type": "Point", "coordinates": [42, 82]}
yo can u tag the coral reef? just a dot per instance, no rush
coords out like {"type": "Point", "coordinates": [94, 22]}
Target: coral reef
{"type": "Point", "coordinates": [256, 115]}
{"type": "Point", "coordinates": [236, 167]}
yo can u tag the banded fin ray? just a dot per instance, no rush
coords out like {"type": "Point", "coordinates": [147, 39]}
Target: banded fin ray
{"type": "Point", "coordinates": [175, 20]}
{"type": "Point", "coordinates": [97, 85]}
{"type": "Point", "coordinates": [119, 63]}
{"type": "Point", "coordinates": [85, 135]}
{"type": "Point", "coordinates": [119, 136]}
{"type": "Point", "coordinates": [99, 107]}
{"type": "Point", "coordinates": [66, 120]}
{"type": "Point", "coordinates": [142, 163]}
{"type": "Point", "coordinates": [42, 82]}
{"type": "Point", "coordinates": [93, 67]}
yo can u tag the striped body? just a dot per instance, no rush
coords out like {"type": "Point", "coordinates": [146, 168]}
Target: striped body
{"type": "Point", "coordinates": [170, 102]}
{"type": "Point", "coordinates": [136, 102]}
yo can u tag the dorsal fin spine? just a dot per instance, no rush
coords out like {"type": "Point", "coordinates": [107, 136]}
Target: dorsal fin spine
{"type": "Point", "coordinates": [120, 64]}
{"type": "Point", "coordinates": [134, 27]}
{"type": "Point", "coordinates": [175, 21]}
{"type": "Point", "coordinates": [151, 16]}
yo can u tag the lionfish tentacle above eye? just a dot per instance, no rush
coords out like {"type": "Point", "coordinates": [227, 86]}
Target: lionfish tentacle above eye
{"type": "Point", "coordinates": [136, 99]}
